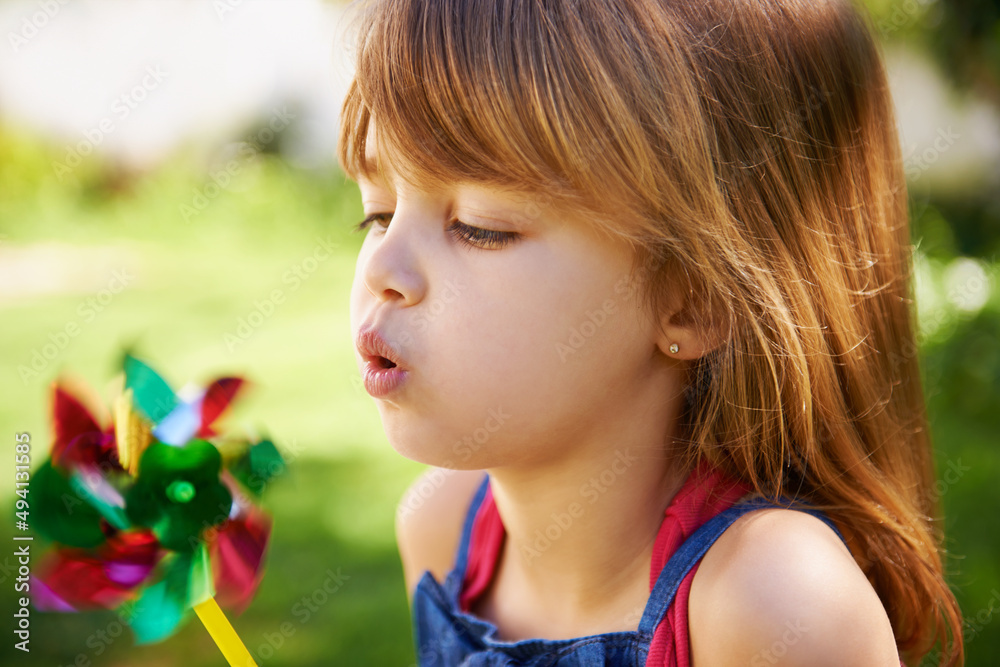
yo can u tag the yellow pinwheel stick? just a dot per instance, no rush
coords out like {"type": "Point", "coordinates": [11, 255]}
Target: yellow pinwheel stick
{"type": "Point", "coordinates": [222, 632]}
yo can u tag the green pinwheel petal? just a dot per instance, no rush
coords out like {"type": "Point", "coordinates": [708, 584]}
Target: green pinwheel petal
{"type": "Point", "coordinates": [141, 505]}
{"type": "Point", "coordinates": [157, 614]}
{"type": "Point", "coordinates": [59, 513]}
{"type": "Point", "coordinates": [151, 394]}
{"type": "Point", "coordinates": [161, 607]}
{"type": "Point", "coordinates": [198, 458]}
{"type": "Point", "coordinates": [258, 466]}
{"type": "Point", "coordinates": [265, 460]}
{"type": "Point", "coordinates": [217, 502]}
{"type": "Point", "coordinates": [178, 533]}
{"type": "Point", "coordinates": [178, 493]}
{"type": "Point", "coordinates": [181, 526]}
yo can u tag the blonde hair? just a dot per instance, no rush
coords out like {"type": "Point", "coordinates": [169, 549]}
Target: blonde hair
{"type": "Point", "coordinates": [748, 150]}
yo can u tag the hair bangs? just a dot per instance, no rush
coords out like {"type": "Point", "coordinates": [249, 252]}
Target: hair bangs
{"type": "Point", "coordinates": [510, 94]}
{"type": "Point", "coordinates": [439, 81]}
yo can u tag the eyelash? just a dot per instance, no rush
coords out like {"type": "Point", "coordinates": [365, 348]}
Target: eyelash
{"type": "Point", "coordinates": [476, 237]}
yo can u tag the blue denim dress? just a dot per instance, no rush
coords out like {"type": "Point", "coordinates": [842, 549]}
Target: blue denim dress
{"type": "Point", "coordinates": [446, 636]}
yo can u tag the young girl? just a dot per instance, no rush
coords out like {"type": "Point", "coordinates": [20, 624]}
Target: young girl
{"type": "Point", "coordinates": [647, 264]}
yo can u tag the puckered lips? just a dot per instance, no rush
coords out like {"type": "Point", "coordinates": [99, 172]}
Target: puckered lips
{"type": "Point", "coordinates": [383, 373]}
{"type": "Point", "coordinates": [375, 350]}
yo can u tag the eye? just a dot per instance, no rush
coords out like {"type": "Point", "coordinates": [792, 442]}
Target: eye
{"type": "Point", "coordinates": [482, 238]}
{"type": "Point", "coordinates": [472, 236]}
{"type": "Point", "coordinates": [364, 224]}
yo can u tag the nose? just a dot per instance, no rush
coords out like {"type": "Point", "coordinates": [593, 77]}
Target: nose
{"type": "Point", "coordinates": [391, 270]}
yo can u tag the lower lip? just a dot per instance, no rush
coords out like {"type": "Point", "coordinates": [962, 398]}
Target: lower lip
{"type": "Point", "coordinates": [380, 382]}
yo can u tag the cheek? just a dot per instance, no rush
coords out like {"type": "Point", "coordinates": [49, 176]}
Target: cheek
{"type": "Point", "coordinates": [509, 373]}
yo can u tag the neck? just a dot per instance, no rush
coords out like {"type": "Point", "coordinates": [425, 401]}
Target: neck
{"type": "Point", "coordinates": [580, 530]}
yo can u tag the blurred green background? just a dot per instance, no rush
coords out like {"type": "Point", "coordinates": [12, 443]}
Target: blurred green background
{"type": "Point", "coordinates": [193, 284]}
{"type": "Point", "coordinates": [201, 261]}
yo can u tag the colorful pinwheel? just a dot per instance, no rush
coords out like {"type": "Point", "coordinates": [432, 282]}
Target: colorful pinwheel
{"type": "Point", "coordinates": [153, 514]}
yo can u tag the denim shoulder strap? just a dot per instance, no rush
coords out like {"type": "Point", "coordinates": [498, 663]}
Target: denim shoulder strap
{"type": "Point", "coordinates": [695, 547]}
{"type": "Point", "coordinates": [462, 557]}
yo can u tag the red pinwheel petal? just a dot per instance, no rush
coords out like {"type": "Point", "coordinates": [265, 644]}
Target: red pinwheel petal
{"type": "Point", "coordinates": [130, 556]}
{"type": "Point", "coordinates": [97, 579]}
{"type": "Point", "coordinates": [71, 420]}
{"type": "Point", "coordinates": [217, 398]}
{"type": "Point", "coordinates": [237, 554]}
{"type": "Point", "coordinates": [71, 417]}
{"type": "Point", "coordinates": [93, 449]}
{"type": "Point", "coordinates": [79, 439]}
{"type": "Point", "coordinates": [78, 578]}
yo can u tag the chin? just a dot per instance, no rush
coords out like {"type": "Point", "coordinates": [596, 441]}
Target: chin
{"type": "Point", "coordinates": [427, 457]}
{"type": "Point", "coordinates": [419, 434]}
{"type": "Point", "coordinates": [433, 454]}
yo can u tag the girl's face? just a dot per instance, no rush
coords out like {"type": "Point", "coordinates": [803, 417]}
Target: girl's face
{"type": "Point", "coordinates": [517, 325]}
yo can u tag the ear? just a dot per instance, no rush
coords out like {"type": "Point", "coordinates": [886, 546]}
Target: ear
{"type": "Point", "coordinates": [679, 326]}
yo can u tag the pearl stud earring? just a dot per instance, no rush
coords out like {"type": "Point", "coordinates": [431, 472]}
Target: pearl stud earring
{"type": "Point", "coordinates": [673, 348]}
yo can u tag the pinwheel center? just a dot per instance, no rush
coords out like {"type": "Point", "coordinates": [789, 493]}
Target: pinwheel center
{"type": "Point", "coordinates": [180, 491]}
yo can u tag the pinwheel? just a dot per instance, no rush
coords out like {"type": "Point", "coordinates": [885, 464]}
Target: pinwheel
{"type": "Point", "coordinates": [154, 513]}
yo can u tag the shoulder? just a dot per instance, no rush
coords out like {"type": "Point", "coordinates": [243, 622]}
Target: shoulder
{"type": "Point", "coordinates": [779, 586]}
{"type": "Point", "coordinates": [429, 521]}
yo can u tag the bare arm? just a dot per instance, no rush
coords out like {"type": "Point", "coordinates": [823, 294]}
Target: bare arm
{"type": "Point", "coordinates": [780, 588]}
